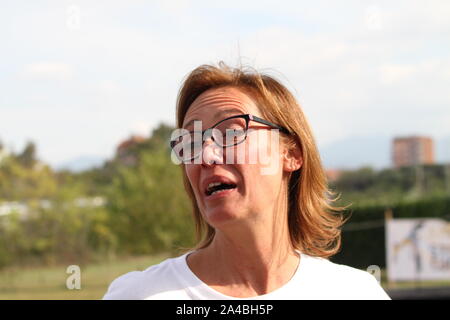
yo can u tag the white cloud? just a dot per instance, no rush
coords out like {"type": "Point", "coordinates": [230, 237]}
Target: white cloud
{"type": "Point", "coordinates": [391, 73]}
{"type": "Point", "coordinates": [141, 128]}
{"type": "Point", "coordinates": [48, 70]}
{"type": "Point", "coordinates": [174, 6]}
{"type": "Point", "coordinates": [109, 87]}
{"type": "Point", "coordinates": [127, 60]}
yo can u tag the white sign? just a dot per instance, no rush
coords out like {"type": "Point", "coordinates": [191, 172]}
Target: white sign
{"type": "Point", "coordinates": [417, 249]}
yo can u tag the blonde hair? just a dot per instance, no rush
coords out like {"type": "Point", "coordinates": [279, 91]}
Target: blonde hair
{"type": "Point", "coordinates": [314, 223]}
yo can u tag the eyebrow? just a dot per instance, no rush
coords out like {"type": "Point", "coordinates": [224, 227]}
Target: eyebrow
{"type": "Point", "coordinates": [219, 114]}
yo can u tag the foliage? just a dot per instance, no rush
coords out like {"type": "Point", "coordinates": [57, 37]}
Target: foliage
{"type": "Point", "coordinates": [18, 182]}
{"type": "Point", "coordinates": [27, 158]}
{"type": "Point", "coordinates": [145, 210]}
{"type": "Point", "coordinates": [62, 232]}
{"type": "Point", "coordinates": [145, 207]}
{"type": "Point", "coordinates": [149, 209]}
{"type": "Point", "coordinates": [367, 186]}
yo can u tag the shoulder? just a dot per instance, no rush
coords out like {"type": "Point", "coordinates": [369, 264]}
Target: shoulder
{"type": "Point", "coordinates": [157, 280]}
{"type": "Point", "coordinates": [342, 281]}
{"type": "Point", "coordinates": [120, 288]}
{"type": "Point", "coordinates": [331, 272]}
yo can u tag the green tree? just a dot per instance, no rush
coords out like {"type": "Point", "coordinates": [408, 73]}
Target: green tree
{"type": "Point", "coordinates": [149, 208]}
{"type": "Point", "coordinates": [27, 157]}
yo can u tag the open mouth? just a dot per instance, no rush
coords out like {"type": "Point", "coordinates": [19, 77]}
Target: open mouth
{"type": "Point", "coordinates": [217, 187]}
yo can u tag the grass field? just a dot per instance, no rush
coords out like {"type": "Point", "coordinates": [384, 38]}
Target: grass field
{"type": "Point", "coordinates": [50, 282]}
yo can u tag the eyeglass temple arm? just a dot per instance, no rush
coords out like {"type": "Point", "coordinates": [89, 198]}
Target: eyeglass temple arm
{"type": "Point", "coordinates": [257, 119]}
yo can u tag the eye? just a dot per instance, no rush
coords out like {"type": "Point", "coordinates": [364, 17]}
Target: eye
{"type": "Point", "coordinates": [238, 132]}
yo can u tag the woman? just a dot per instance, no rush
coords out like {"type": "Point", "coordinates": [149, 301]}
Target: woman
{"type": "Point", "coordinates": [267, 226]}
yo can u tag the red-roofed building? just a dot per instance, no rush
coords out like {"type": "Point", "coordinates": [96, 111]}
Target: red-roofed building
{"type": "Point", "coordinates": [125, 152]}
{"type": "Point", "coordinates": [333, 174]}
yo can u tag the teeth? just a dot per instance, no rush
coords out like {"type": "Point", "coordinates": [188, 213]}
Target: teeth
{"type": "Point", "coordinates": [217, 191]}
{"type": "Point", "coordinates": [213, 184]}
{"type": "Point", "coordinates": [210, 188]}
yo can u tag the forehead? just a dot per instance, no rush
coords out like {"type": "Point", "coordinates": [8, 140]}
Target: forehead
{"type": "Point", "coordinates": [215, 104]}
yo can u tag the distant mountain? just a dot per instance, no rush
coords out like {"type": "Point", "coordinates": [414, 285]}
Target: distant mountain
{"type": "Point", "coordinates": [355, 152]}
{"type": "Point", "coordinates": [81, 163]}
{"type": "Point", "coordinates": [374, 151]}
{"type": "Point", "coordinates": [348, 153]}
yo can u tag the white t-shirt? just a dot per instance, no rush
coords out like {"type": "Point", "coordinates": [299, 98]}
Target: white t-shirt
{"type": "Point", "coordinates": [315, 278]}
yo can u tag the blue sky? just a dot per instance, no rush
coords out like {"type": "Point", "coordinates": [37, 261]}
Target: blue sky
{"type": "Point", "coordinates": [77, 77]}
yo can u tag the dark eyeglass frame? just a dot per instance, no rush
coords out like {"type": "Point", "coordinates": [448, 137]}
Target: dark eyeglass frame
{"type": "Point", "coordinates": [247, 117]}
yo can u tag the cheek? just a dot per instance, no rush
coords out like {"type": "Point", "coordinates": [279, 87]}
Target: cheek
{"type": "Point", "coordinates": [263, 148]}
{"type": "Point", "coordinates": [193, 174]}
{"type": "Point", "coordinates": [262, 190]}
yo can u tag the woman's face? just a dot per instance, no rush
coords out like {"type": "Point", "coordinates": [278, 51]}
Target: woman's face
{"type": "Point", "coordinates": [256, 188]}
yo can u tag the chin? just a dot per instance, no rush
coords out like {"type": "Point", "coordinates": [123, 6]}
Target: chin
{"type": "Point", "coordinates": [218, 217]}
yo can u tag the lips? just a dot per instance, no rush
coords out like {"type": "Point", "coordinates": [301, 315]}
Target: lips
{"type": "Point", "coordinates": [216, 183]}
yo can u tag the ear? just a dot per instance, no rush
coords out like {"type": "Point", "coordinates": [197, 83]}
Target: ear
{"type": "Point", "coordinates": [292, 159]}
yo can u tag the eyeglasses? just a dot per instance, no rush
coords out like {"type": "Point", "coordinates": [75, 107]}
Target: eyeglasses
{"type": "Point", "coordinates": [225, 133]}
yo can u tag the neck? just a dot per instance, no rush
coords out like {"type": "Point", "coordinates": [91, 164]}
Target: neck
{"type": "Point", "coordinates": [259, 246]}
{"type": "Point", "coordinates": [255, 257]}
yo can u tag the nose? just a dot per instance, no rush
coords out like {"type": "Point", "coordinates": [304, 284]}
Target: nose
{"type": "Point", "coordinates": [212, 154]}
